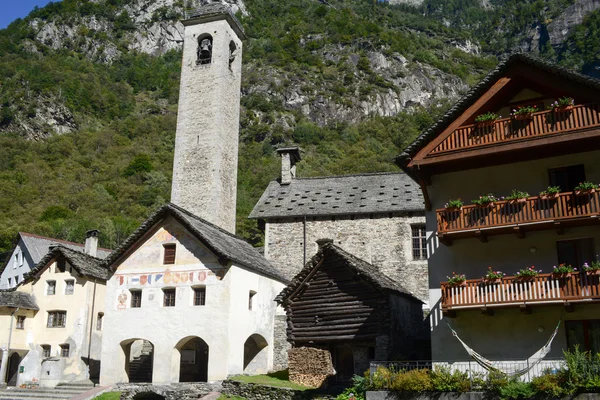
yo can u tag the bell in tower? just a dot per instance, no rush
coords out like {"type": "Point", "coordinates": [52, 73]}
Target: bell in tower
{"type": "Point", "coordinates": [204, 50]}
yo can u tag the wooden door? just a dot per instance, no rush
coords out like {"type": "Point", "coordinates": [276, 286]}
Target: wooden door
{"type": "Point", "coordinates": [343, 363]}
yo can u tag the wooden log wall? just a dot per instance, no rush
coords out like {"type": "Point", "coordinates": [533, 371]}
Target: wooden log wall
{"type": "Point", "coordinates": [336, 305]}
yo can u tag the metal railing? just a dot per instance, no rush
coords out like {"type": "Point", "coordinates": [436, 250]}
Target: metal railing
{"type": "Point", "coordinates": [384, 372]}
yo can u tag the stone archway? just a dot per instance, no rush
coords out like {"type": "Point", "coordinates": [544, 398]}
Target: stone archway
{"type": "Point", "coordinates": [193, 359]}
{"type": "Point", "coordinates": [255, 354]}
{"type": "Point", "coordinates": [139, 360]}
{"type": "Point", "coordinates": [13, 369]}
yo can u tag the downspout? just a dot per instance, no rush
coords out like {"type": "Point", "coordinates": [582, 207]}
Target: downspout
{"type": "Point", "coordinates": [11, 326]}
{"type": "Point", "coordinates": [91, 326]}
{"type": "Point", "coordinates": [304, 241]}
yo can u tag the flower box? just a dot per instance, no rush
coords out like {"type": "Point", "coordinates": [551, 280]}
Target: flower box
{"type": "Point", "coordinates": [584, 192]}
{"type": "Point", "coordinates": [457, 284]}
{"type": "Point", "coordinates": [593, 272]}
{"type": "Point", "coordinates": [549, 196]}
{"type": "Point", "coordinates": [453, 209]}
{"type": "Point", "coordinates": [519, 200]}
{"type": "Point", "coordinates": [527, 278]}
{"type": "Point", "coordinates": [522, 117]}
{"type": "Point", "coordinates": [558, 109]}
{"type": "Point", "coordinates": [495, 281]}
{"type": "Point", "coordinates": [485, 124]}
{"type": "Point", "coordinates": [486, 205]}
{"type": "Point", "coordinates": [562, 275]}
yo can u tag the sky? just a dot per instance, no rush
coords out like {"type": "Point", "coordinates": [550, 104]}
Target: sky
{"type": "Point", "coordinates": [13, 9]}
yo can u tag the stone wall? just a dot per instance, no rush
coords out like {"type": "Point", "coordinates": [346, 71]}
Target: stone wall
{"type": "Point", "coordinates": [280, 343]}
{"type": "Point", "coordinates": [382, 240]}
{"type": "Point", "coordinates": [175, 391]}
{"type": "Point", "coordinates": [262, 392]}
{"type": "Point", "coordinates": [383, 395]}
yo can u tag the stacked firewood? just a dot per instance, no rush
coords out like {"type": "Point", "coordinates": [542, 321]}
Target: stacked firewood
{"type": "Point", "coordinates": [309, 366]}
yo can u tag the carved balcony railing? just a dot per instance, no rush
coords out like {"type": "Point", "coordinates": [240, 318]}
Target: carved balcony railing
{"type": "Point", "coordinates": [544, 288]}
{"type": "Point", "coordinates": [507, 130]}
{"type": "Point", "coordinates": [507, 216]}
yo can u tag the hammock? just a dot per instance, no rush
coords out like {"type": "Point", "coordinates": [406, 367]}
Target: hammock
{"type": "Point", "coordinates": [531, 361]}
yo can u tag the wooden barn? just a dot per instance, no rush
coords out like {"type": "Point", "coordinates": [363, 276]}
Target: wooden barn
{"type": "Point", "coordinates": [343, 304]}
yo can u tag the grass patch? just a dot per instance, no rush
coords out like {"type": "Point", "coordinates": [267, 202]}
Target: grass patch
{"type": "Point", "coordinates": [278, 379]}
{"type": "Point", "coordinates": [109, 396]}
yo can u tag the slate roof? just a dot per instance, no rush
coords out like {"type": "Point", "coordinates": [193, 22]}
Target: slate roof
{"type": "Point", "coordinates": [38, 246]}
{"type": "Point", "coordinates": [223, 244]}
{"type": "Point", "coordinates": [12, 298]}
{"type": "Point", "coordinates": [215, 11]}
{"type": "Point", "coordinates": [363, 269]}
{"type": "Point", "coordinates": [84, 264]}
{"type": "Point", "coordinates": [478, 90]}
{"type": "Point", "coordinates": [340, 195]}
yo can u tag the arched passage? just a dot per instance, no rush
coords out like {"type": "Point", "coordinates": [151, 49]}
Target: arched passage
{"type": "Point", "coordinates": [148, 396]}
{"type": "Point", "coordinates": [255, 354]}
{"type": "Point", "coordinates": [13, 369]}
{"type": "Point", "coordinates": [193, 359]}
{"type": "Point", "coordinates": [139, 360]}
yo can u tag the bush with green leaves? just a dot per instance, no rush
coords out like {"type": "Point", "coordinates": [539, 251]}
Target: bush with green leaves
{"type": "Point", "coordinates": [416, 380]}
{"type": "Point", "coordinates": [445, 380]}
{"type": "Point", "coordinates": [516, 389]}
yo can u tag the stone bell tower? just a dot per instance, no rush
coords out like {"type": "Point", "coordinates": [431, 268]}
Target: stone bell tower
{"type": "Point", "coordinates": [206, 143]}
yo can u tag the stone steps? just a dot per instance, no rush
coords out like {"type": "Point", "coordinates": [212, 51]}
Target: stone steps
{"type": "Point", "coordinates": [64, 391]}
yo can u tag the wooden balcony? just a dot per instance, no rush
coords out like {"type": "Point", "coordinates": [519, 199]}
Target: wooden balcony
{"type": "Point", "coordinates": [506, 130]}
{"type": "Point", "coordinates": [535, 213]}
{"type": "Point", "coordinates": [510, 291]}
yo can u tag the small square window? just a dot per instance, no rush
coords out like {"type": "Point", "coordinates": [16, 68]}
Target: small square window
{"type": "Point", "coordinates": [69, 286]}
{"type": "Point", "coordinates": [57, 319]}
{"type": "Point", "coordinates": [169, 300]}
{"type": "Point", "coordinates": [64, 350]}
{"type": "Point", "coordinates": [20, 322]}
{"type": "Point", "coordinates": [51, 290]}
{"type": "Point", "coordinates": [199, 296]}
{"type": "Point", "coordinates": [46, 350]}
{"type": "Point", "coordinates": [169, 256]}
{"type": "Point", "coordinates": [136, 298]}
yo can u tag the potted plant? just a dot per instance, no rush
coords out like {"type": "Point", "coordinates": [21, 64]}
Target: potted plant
{"type": "Point", "coordinates": [517, 196]}
{"type": "Point", "coordinates": [454, 205]}
{"type": "Point", "coordinates": [487, 200]}
{"type": "Point", "coordinates": [585, 188]}
{"type": "Point", "coordinates": [550, 193]}
{"type": "Point", "coordinates": [563, 104]}
{"type": "Point", "coordinates": [527, 274]}
{"type": "Point", "coordinates": [563, 270]}
{"type": "Point", "coordinates": [592, 269]}
{"type": "Point", "coordinates": [486, 119]}
{"type": "Point", "coordinates": [523, 112]}
{"type": "Point", "coordinates": [457, 280]}
{"type": "Point", "coordinates": [492, 277]}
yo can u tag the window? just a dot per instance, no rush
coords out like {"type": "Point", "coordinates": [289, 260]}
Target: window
{"type": "Point", "coordinates": [136, 298]}
{"type": "Point", "coordinates": [46, 350]}
{"type": "Point", "coordinates": [17, 280]}
{"type": "Point", "coordinates": [199, 296]}
{"type": "Point", "coordinates": [251, 299]}
{"type": "Point", "coordinates": [57, 319]}
{"type": "Point", "coordinates": [567, 177]}
{"type": "Point", "coordinates": [9, 282]}
{"type": "Point", "coordinates": [51, 290]}
{"type": "Point", "coordinates": [169, 300]}
{"type": "Point", "coordinates": [575, 252]}
{"type": "Point", "coordinates": [419, 242]}
{"type": "Point", "coordinates": [64, 350]}
{"type": "Point", "coordinates": [99, 321]}
{"type": "Point", "coordinates": [70, 286]}
{"type": "Point", "coordinates": [585, 334]}
{"type": "Point", "coordinates": [61, 264]}
{"type": "Point", "coordinates": [20, 322]}
{"type": "Point", "coordinates": [169, 257]}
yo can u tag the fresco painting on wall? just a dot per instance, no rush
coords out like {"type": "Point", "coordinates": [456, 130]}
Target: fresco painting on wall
{"type": "Point", "coordinates": [168, 277]}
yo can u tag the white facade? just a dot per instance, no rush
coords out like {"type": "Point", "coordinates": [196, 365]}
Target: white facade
{"type": "Point", "coordinates": [18, 264]}
{"type": "Point", "coordinates": [224, 323]}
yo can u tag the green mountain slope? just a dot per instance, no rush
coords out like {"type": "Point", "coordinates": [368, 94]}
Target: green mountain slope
{"type": "Point", "coordinates": [87, 116]}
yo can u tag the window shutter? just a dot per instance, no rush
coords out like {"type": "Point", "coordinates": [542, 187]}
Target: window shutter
{"type": "Point", "coordinates": [169, 254]}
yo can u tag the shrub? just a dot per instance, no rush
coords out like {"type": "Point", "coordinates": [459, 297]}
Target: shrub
{"type": "Point", "coordinates": [416, 380]}
{"type": "Point", "coordinates": [495, 381]}
{"type": "Point", "coordinates": [141, 163]}
{"type": "Point", "coordinates": [381, 378]}
{"type": "Point", "coordinates": [446, 381]}
{"type": "Point", "coordinates": [517, 390]}
{"type": "Point", "coordinates": [548, 384]}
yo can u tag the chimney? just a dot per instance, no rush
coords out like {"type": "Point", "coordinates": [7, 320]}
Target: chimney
{"type": "Point", "coordinates": [91, 243]}
{"type": "Point", "coordinates": [289, 157]}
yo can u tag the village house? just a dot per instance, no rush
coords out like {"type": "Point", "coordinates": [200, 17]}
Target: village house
{"type": "Point", "coordinates": [27, 252]}
{"type": "Point", "coordinates": [343, 304]}
{"type": "Point", "coordinates": [189, 301]}
{"type": "Point", "coordinates": [529, 135]}
{"type": "Point", "coordinates": [53, 319]}
{"type": "Point", "coordinates": [379, 218]}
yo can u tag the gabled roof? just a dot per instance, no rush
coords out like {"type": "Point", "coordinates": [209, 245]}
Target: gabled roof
{"type": "Point", "coordinates": [340, 195]}
{"type": "Point", "coordinates": [84, 264]}
{"type": "Point", "coordinates": [39, 246]}
{"type": "Point", "coordinates": [224, 245]}
{"type": "Point", "coordinates": [15, 299]}
{"type": "Point", "coordinates": [478, 90]}
{"type": "Point", "coordinates": [361, 268]}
